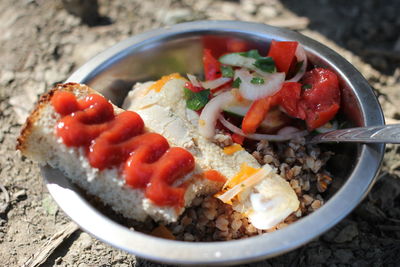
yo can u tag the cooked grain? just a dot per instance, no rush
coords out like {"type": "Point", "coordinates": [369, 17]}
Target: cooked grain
{"type": "Point", "coordinates": [303, 166]}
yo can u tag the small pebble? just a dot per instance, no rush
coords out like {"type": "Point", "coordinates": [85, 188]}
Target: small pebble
{"type": "Point", "coordinates": [347, 234]}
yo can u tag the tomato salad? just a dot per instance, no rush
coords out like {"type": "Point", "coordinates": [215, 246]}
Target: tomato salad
{"type": "Point", "coordinates": [272, 97]}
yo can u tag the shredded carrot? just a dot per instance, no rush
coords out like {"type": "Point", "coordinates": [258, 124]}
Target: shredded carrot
{"type": "Point", "coordinates": [245, 178]}
{"type": "Point", "coordinates": [163, 232]}
{"type": "Point", "coordinates": [158, 85]}
{"type": "Point", "coordinates": [244, 172]}
{"type": "Point", "coordinates": [229, 150]}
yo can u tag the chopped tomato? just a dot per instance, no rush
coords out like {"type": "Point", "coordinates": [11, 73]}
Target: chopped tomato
{"type": "Point", "coordinates": [256, 114]}
{"type": "Point", "coordinates": [316, 105]}
{"type": "Point", "coordinates": [288, 98]}
{"type": "Point", "coordinates": [324, 87]}
{"type": "Point", "coordinates": [321, 101]}
{"type": "Point", "coordinates": [211, 65]}
{"type": "Point", "coordinates": [283, 54]}
{"type": "Point", "coordinates": [193, 88]}
{"type": "Point", "coordinates": [319, 118]}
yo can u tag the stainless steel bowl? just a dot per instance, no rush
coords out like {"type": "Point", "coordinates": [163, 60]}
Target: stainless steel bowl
{"type": "Point", "coordinates": [178, 49]}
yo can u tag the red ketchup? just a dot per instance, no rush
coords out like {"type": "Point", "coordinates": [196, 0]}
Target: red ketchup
{"type": "Point", "coordinates": [112, 140]}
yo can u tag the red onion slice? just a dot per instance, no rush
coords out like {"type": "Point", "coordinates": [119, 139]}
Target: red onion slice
{"type": "Point", "coordinates": [269, 137]}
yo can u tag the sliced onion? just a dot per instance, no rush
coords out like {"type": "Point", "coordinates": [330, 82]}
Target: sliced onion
{"type": "Point", "coordinates": [211, 111]}
{"type": "Point", "coordinates": [193, 79]}
{"type": "Point", "coordinates": [301, 56]}
{"type": "Point", "coordinates": [269, 137]}
{"type": "Point", "coordinates": [215, 83]}
{"type": "Point", "coordinates": [208, 84]}
{"type": "Point", "coordinates": [272, 84]}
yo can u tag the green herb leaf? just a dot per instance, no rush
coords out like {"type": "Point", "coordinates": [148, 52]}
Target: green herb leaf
{"type": "Point", "coordinates": [251, 53]}
{"type": "Point", "coordinates": [236, 83]}
{"type": "Point", "coordinates": [266, 64]}
{"type": "Point", "coordinates": [196, 101]}
{"type": "Point", "coordinates": [227, 71]}
{"type": "Point", "coordinates": [298, 66]}
{"type": "Point", "coordinates": [306, 86]}
{"type": "Point", "coordinates": [187, 93]}
{"type": "Point", "coordinates": [257, 80]}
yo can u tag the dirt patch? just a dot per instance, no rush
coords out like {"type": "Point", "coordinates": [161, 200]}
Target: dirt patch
{"type": "Point", "coordinates": [42, 44]}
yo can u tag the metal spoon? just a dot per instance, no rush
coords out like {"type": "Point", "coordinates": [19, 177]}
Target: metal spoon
{"type": "Point", "coordinates": [372, 134]}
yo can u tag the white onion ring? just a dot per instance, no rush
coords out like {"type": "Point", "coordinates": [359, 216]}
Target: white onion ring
{"type": "Point", "coordinates": [301, 56]}
{"type": "Point", "coordinates": [215, 83]}
{"type": "Point", "coordinates": [269, 137]}
{"type": "Point", "coordinates": [272, 84]}
{"type": "Point", "coordinates": [211, 111]}
{"type": "Point", "coordinates": [193, 79]}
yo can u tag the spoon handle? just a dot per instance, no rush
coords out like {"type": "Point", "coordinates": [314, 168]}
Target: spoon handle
{"type": "Point", "coordinates": [373, 134]}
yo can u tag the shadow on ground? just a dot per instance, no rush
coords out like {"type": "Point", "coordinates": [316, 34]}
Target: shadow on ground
{"type": "Point", "coordinates": [369, 29]}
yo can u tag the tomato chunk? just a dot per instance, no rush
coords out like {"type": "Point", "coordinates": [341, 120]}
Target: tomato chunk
{"type": "Point", "coordinates": [256, 114]}
{"type": "Point", "coordinates": [283, 54]}
{"type": "Point", "coordinates": [212, 67]}
{"type": "Point", "coordinates": [321, 101]}
{"type": "Point", "coordinates": [194, 89]}
{"type": "Point", "coordinates": [288, 98]}
{"type": "Point", "coordinates": [321, 117]}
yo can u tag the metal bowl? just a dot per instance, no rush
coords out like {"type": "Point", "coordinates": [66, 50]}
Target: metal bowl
{"type": "Point", "coordinates": [178, 49]}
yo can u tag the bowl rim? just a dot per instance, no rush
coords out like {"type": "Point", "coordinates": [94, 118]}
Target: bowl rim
{"type": "Point", "coordinates": [236, 251]}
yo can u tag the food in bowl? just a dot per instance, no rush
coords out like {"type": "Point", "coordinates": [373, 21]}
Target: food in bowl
{"type": "Point", "coordinates": [210, 162]}
{"type": "Point", "coordinates": [316, 100]}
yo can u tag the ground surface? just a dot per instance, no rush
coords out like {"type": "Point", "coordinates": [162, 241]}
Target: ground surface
{"type": "Point", "coordinates": [42, 44]}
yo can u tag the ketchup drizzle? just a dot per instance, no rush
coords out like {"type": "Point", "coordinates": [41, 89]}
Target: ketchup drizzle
{"type": "Point", "coordinates": [120, 140]}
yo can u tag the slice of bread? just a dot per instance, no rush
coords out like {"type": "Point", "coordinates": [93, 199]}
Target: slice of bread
{"type": "Point", "coordinates": [39, 142]}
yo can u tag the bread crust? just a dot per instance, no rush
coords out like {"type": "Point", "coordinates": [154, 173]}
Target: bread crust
{"type": "Point", "coordinates": [44, 100]}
